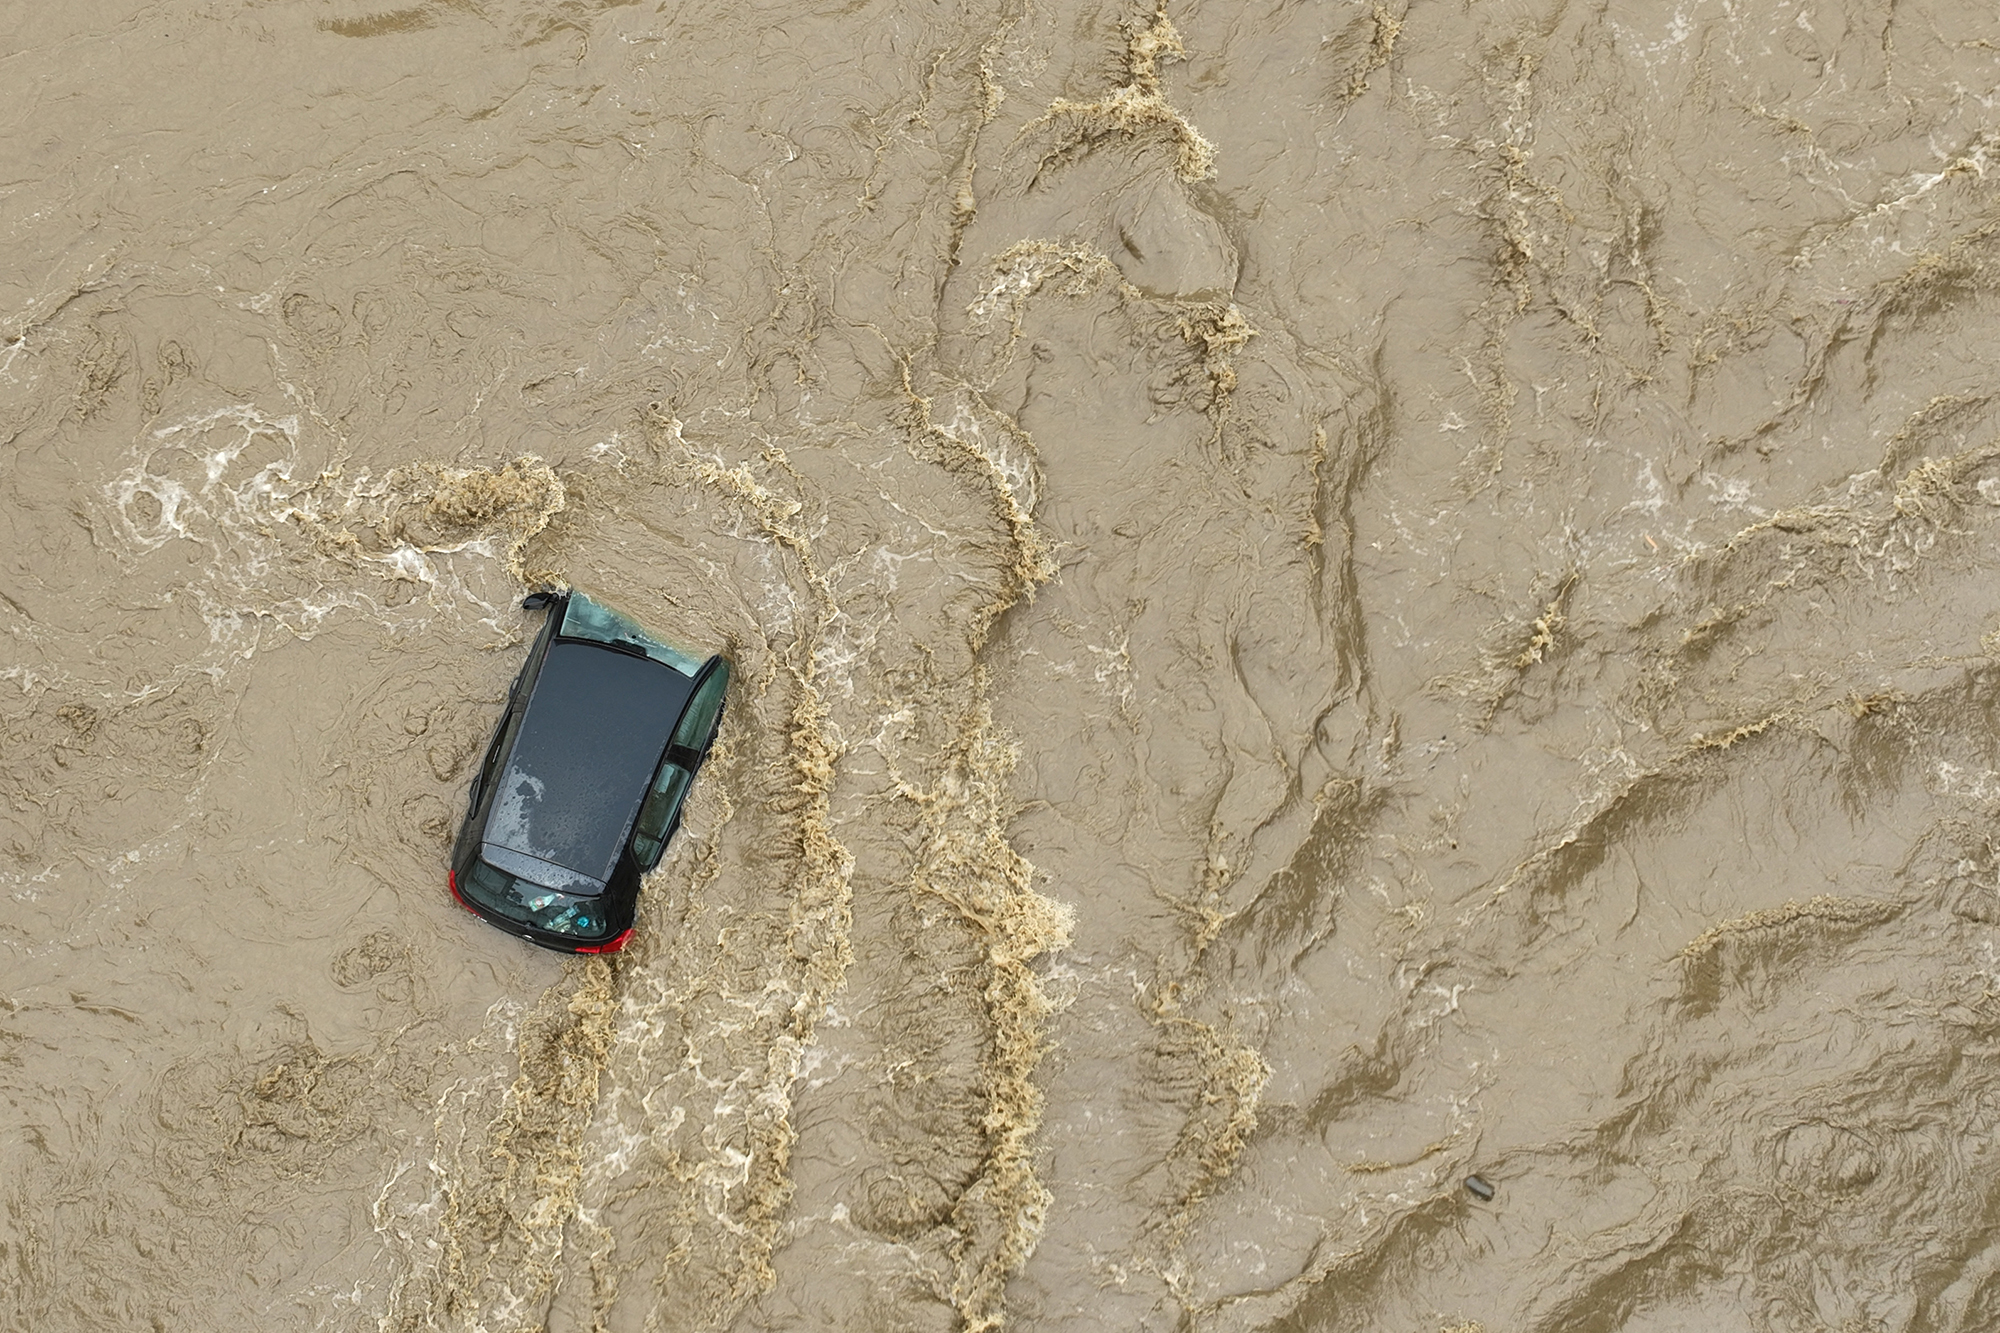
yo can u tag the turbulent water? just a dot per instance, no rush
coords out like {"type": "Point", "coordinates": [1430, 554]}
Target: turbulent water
{"type": "Point", "coordinates": [1326, 597]}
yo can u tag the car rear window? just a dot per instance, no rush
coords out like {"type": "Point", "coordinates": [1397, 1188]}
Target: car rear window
{"type": "Point", "coordinates": [533, 905]}
{"type": "Point", "coordinates": [586, 619]}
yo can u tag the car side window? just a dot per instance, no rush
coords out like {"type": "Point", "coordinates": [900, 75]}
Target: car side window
{"type": "Point", "coordinates": [517, 704]}
{"type": "Point", "coordinates": [657, 814]}
{"type": "Point", "coordinates": [524, 683]}
{"type": "Point", "coordinates": [697, 724]}
{"type": "Point", "coordinates": [503, 737]}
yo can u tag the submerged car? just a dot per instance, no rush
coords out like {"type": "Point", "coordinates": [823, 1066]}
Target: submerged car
{"type": "Point", "coordinates": [582, 786]}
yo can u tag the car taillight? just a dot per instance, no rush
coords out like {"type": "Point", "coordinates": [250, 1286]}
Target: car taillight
{"type": "Point", "coordinates": [451, 878]}
{"type": "Point", "coordinates": [612, 945]}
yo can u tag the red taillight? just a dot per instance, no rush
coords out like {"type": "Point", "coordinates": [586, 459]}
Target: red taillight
{"type": "Point", "coordinates": [451, 878]}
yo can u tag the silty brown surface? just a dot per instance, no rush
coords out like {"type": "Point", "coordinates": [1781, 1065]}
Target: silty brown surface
{"type": "Point", "coordinates": [1326, 597]}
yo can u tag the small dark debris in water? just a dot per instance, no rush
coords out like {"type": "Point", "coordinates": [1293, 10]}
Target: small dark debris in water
{"type": "Point", "coordinates": [1481, 1188]}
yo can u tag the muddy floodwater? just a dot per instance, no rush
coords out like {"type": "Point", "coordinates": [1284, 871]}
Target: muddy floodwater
{"type": "Point", "coordinates": [1328, 596]}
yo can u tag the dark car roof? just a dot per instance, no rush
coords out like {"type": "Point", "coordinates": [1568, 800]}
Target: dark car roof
{"type": "Point", "coordinates": [596, 726]}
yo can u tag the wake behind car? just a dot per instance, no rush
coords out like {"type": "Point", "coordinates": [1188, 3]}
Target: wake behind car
{"type": "Point", "coordinates": [582, 786]}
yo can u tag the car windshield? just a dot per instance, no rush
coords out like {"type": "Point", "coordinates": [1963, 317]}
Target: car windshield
{"type": "Point", "coordinates": [586, 619]}
{"type": "Point", "coordinates": [533, 905]}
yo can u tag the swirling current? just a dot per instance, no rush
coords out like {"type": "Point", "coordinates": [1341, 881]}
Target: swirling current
{"type": "Point", "coordinates": [1328, 596]}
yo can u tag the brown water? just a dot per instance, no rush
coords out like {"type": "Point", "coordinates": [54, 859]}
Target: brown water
{"type": "Point", "coordinates": [1326, 597]}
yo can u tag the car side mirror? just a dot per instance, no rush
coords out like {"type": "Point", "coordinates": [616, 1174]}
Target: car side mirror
{"type": "Point", "coordinates": [535, 601]}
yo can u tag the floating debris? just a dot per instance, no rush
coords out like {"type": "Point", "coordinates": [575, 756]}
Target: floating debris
{"type": "Point", "coordinates": [1480, 1188]}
